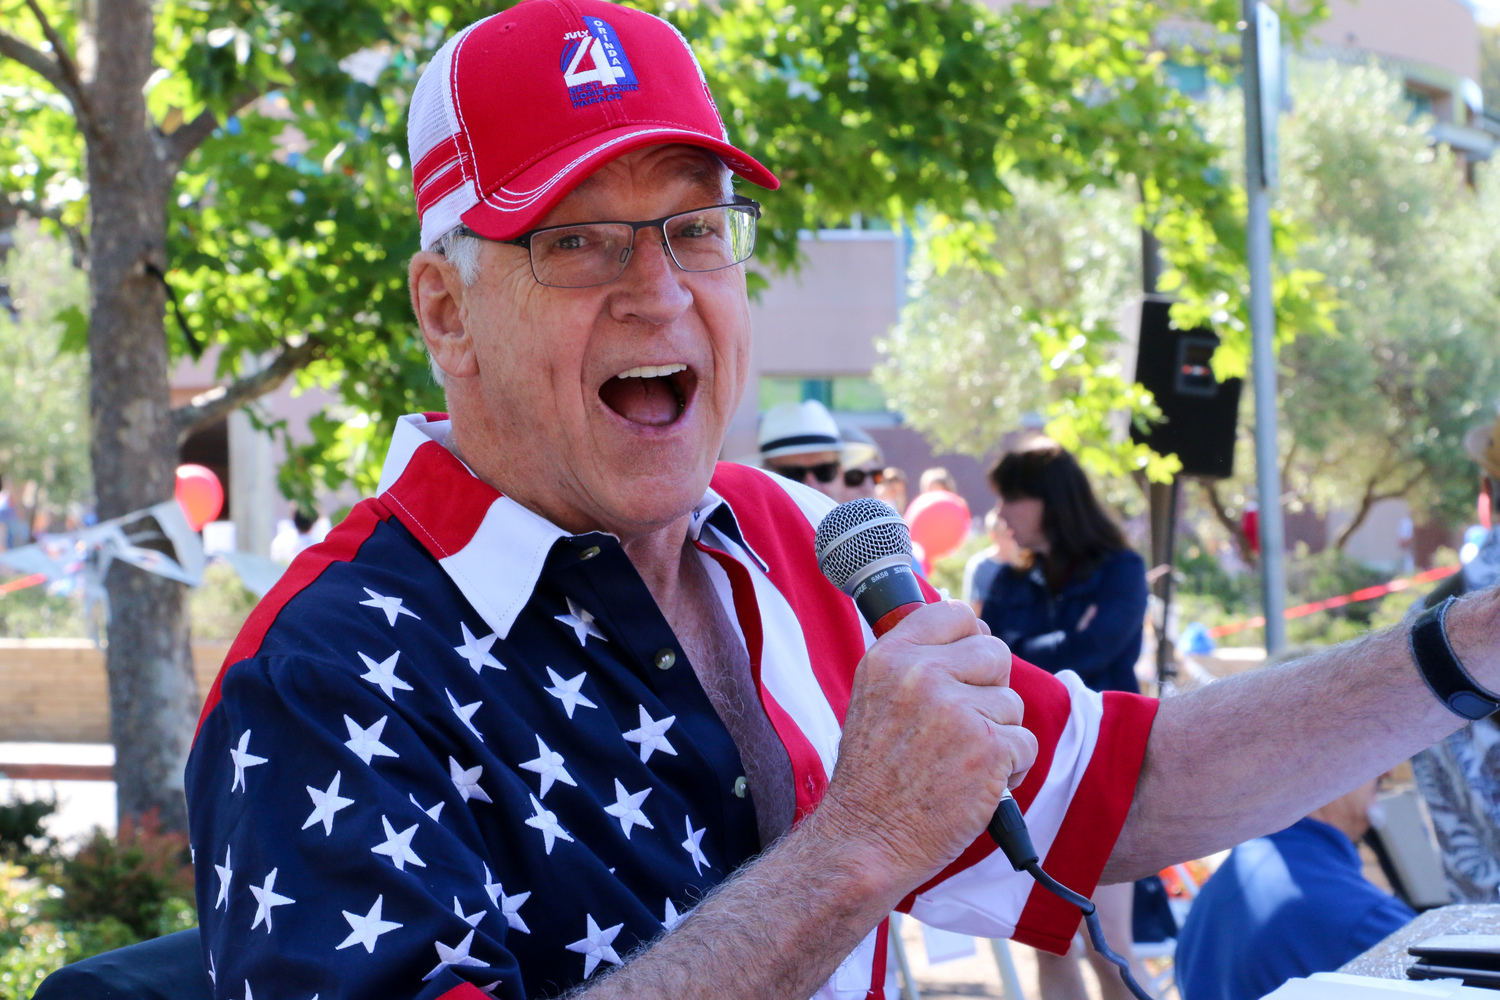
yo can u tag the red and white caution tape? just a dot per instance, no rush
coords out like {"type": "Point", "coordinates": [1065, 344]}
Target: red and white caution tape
{"type": "Point", "coordinates": [1363, 594]}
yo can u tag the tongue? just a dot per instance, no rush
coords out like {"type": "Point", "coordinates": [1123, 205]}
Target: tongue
{"type": "Point", "coordinates": [649, 401]}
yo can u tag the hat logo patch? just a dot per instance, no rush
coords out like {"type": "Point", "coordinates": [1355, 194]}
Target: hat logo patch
{"type": "Point", "coordinates": [594, 65]}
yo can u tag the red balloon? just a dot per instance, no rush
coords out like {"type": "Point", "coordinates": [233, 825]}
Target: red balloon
{"type": "Point", "coordinates": [199, 494]}
{"type": "Point", "coordinates": [939, 522]}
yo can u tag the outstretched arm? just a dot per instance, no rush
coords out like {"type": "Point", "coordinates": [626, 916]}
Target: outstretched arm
{"type": "Point", "coordinates": [1252, 754]}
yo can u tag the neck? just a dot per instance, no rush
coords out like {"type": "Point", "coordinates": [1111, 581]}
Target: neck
{"type": "Point", "coordinates": [656, 551]}
{"type": "Point", "coordinates": [1351, 822]}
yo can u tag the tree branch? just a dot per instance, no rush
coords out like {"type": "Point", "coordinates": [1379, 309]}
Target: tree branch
{"type": "Point", "coordinates": [76, 239]}
{"type": "Point", "coordinates": [35, 60]}
{"type": "Point", "coordinates": [1221, 514]}
{"type": "Point", "coordinates": [1372, 497]}
{"type": "Point", "coordinates": [219, 402]}
{"type": "Point", "coordinates": [189, 136]}
{"type": "Point", "coordinates": [68, 81]}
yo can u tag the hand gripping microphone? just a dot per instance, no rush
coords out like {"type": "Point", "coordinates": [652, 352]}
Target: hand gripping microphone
{"type": "Point", "coordinates": [864, 549]}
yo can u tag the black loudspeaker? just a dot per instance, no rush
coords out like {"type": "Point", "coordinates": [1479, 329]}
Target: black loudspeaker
{"type": "Point", "coordinates": [1200, 411]}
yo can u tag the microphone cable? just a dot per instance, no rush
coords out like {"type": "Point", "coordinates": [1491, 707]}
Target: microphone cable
{"type": "Point", "coordinates": [1008, 828]}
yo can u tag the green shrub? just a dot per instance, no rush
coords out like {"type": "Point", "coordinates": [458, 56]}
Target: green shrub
{"type": "Point", "coordinates": [23, 836]}
{"type": "Point", "coordinates": [116, 891]}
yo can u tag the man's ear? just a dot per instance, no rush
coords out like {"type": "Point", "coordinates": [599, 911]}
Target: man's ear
{"type": "Point", "coordinates": [437, 298]}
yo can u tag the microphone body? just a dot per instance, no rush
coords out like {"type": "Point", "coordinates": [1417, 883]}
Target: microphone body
{"type": "Point", "coordinates": [864, 548]}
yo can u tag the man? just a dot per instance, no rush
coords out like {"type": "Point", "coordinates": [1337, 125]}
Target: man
{"type": "Point", "coordinates": [568, 706]}
{"type": "Point", "coordinates": [864, 465]}
{"type": "Point", "coordinates": [1285, 906]}
{"type": "Point", "coordinates": [801, 442]}
{"type": "Point", "coordinates": [1459, 778]}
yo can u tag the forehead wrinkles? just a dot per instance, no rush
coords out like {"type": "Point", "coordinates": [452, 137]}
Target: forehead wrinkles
{"type": "Point", "coordinates": [698, 168]}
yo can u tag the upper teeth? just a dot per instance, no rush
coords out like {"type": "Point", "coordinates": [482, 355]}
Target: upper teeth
{"type": "Point", "coordinates": [652, 371]}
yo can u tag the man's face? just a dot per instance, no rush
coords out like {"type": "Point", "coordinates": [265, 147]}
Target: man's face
{"type": "Point", "coordinates": [607, 406]}
{"type": "Point", "coordinates": [808, 466]}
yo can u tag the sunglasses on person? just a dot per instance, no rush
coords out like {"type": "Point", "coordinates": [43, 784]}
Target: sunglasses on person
{"type": "Point", "coordinates": [855, 478]}
{"type": "Point", "coordinates": [824, 472]}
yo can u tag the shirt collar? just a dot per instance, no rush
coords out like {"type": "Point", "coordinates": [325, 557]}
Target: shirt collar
{"type": "Point", "coordinates": [471, 528]}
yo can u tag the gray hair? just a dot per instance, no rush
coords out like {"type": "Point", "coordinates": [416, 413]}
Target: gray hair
{"type": "Point", "coordinates": [462, 251]}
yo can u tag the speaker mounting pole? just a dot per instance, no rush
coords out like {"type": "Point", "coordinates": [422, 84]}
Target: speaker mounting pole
{"type": "Point", "coordinates": [1261, 71]}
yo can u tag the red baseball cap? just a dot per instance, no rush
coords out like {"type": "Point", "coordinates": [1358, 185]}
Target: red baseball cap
{"type": "Point", "coordinates": [516, 109]}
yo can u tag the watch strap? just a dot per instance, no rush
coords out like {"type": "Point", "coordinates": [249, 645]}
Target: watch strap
{"type": "Point", "coordinates": [1440, 668]}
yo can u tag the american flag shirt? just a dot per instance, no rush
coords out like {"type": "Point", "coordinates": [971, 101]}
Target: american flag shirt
{"type": "Point", "coordinates": [458, 752]}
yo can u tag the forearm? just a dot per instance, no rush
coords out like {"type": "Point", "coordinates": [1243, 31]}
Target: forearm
{"type": "Point", "coordinates": [777, 929]}
{"type": "Point", "coordinates": [1252, 754]}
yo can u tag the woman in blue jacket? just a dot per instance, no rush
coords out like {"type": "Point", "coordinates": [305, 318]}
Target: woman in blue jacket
{"type": "Point", "coordinates": [1074, 599]}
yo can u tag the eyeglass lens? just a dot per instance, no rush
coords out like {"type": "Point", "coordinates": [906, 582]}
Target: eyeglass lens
{"type": "Point", "coordinates": [854, 478]}
{"type": "Point", "coordinates": [595, 253]}
{"type": "Point", "coordinates": [823, 473]}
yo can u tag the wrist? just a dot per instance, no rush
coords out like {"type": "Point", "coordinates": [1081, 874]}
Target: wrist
{"type": "Point", "coordinates": [1472, 628]}
{"type": "Point", "coordinates": [873, 871]}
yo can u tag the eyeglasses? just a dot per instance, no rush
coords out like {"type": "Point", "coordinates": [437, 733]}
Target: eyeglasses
{"type": "Point", "coordinates": [824, 472]}
{"type": "Point", "coordinates": [595, 253]}
{"type": "Point", "coordinates": [854, 478]}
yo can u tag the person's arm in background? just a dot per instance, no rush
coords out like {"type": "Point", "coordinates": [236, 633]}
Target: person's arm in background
{"type": "Point", "coordinates": [1253, 753]}
{"type": "Point", "coordinates": [1089, 646]}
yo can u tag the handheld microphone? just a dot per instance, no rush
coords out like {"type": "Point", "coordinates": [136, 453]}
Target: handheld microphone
{"type": "Point", "coordinates": [864, 549]}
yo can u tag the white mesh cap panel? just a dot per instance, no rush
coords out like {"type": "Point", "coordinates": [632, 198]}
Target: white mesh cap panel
{"type": "Point", "coordinates": [432, 120]}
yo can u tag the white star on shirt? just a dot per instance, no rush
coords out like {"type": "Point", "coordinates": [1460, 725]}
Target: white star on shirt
{"type": "Point", "coordinates": [472, 919]}
{"type": "Point", "coordinates": [596, 946]}
{"type": "Point", "coordinates": [546, 821]}
{"type": "Point", "coordinates": [566, 691]}
{"type": "Point", "coordinates": [226, 873]}
{"type": "Point", "coordinates": [247, 991]}
{"type": "Point", "coordinates": [326, 804]}
{"type": "Point", "coordinates": [397, 846]}
{"type": "Point", "coordinates": [213, 974]}
{"type": "Point", "coordinates": [265, 899]}
{"type": "Point", "coordinates": [548, 764]}
{"type": "Point", "coordinates": [434, 812]}
{"type": "Point", "coordinates": [627, 808]}
{"type": "Point", "coordinates": [581, 622]}
{"type": "Point", "coordinates": [652, 735]}
{"type": "Point", "coordinates": [366, 930]}
{"type": "Point", "coordinates": [390, 605]}
{"type": "Point", "coordinates": [243, 758]}
{"type": "Point", "coordinates": [383, 675]}
{"type": "Point", "coordinates": [366, 742]}
{"type": "Point", "coordinates": [510, 906]}
{"type": "Point", "coordinates": [465, 713]}
{"type": "Point", "coordinates": [477, 651]}
{"type": "Point", "coordinates": [456, 955]}
{"type": "Point", "coordinates": [672, 917]}
{"type": "Point", "coordinates": [467, 782]}
{"type": "Point", "coordinates": [691, 845]}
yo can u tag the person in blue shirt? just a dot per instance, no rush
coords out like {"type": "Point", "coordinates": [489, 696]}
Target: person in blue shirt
{"type": "Point", "coordinates": [1286, 905]}
{"type": "Point", "coordinates": [1073, 598]}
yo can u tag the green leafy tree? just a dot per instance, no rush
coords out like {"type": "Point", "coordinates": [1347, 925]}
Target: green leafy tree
{"type": "Point", "coordinates": [1378, 409]}
{"type": "Point", "coordinates": [250, 157]}
{"type": "Point", "coordinates": [44, 445]}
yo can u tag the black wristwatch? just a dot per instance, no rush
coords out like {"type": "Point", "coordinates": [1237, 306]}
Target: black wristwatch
{"type": "Point", "coordinates": [1439, 667]}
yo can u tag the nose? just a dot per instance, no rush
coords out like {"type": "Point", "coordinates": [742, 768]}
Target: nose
{"type": "Point", "coordinates": [652, 288]}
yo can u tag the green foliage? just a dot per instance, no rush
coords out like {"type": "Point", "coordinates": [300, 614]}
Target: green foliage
{"type": "Point", "coordinates": [44, 420]}
{"type": "Point", "coordinates": [23, 835]}
{"type": "Point", "coordinates": [220, 604]}
{"type": "Point", "coordinates": [119, 890]}
{"type": "Point", "coordinates": [31, 947]}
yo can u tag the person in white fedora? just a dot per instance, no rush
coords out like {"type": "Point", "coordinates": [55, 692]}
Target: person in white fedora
{"type": "Point", "coordinates": [801, 442]}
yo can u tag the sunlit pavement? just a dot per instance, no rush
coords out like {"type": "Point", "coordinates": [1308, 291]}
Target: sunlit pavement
{"type": "Point", "coordinates": [75, 775]}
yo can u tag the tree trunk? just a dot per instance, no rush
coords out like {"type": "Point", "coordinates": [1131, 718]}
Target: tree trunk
{"type": "Point", "coordinates": [152, 691]}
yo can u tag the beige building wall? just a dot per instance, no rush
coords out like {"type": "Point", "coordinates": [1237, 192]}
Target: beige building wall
{"type": "Point", "coordinates": [1437, 33]}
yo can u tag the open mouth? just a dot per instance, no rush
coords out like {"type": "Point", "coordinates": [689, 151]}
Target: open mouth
{"type": "Point", "coordinates": [651, 395]}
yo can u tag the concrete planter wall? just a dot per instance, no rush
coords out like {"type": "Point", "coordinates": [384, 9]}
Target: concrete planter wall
{"type": "Point", "coordinates": [55, 690]}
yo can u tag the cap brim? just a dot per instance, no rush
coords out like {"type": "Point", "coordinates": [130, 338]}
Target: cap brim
{"type": "Point", "coordinates": [521, 202]}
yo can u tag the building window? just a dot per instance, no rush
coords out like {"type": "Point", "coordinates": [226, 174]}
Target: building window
{"type": "Point", "coordinates": [840, 393]}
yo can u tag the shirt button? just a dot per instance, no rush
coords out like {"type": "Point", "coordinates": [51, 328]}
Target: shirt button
{"type": "Point", "coordinates": [740, 784]}
{"type": "Point", "coordinates": [589, 553]}
{"type": "Point", "coordinates": [665, 658]}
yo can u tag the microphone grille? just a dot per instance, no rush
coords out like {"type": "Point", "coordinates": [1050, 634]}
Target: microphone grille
{"type": "Point", "coordinates": [855, 534]}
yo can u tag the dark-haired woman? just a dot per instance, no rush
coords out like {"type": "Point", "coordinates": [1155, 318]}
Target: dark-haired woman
{"type": "Point", "coordinates": [1074, 599]}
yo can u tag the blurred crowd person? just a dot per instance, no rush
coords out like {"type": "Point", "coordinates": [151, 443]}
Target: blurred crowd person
{"type": "Point", "coordinates": [303, 531]}
{"type": "Point", "coordinates": [864, 465]}
{"type": "Point", "coordinates": [1073, 597]}
{"type": "Point", "coordinates": [936, 478]}
{"type": "Point", "coordinates": [801, 441]}
{"type": "Point", "coordinates": [1286, 906]}
{"type": "Point", "coordinates": [980, 570]}
{"type": "Point", "coordinates": [12, 523]}
{"type": "Point", "coordinates": [1459, 778]}
{"type": "Point", "coordinates": [892, 488]}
